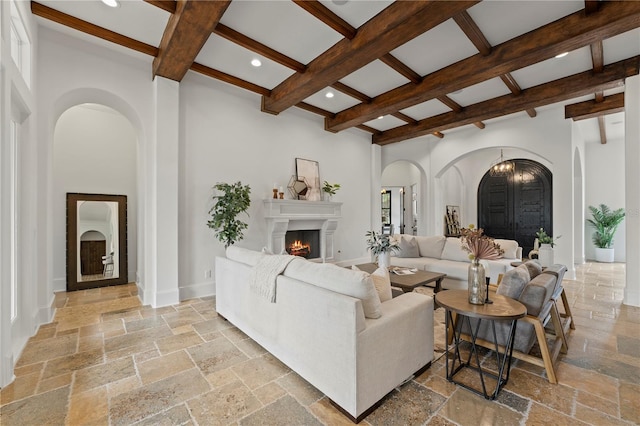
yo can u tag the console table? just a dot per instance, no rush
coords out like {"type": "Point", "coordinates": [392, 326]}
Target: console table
{"type": "Point", "coordinates": [458, 312]}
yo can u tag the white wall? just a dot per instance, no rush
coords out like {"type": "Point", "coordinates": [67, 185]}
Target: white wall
{"type": "Point", "coordinates": [94, 151]}
{"type": "Point", "coordinates": [225, 138]}
{"type": "Point", "coordinates": [604, 179]}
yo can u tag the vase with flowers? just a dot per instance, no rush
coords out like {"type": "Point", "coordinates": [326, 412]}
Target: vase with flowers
{"type": "Point", "coordinates": [381, 245]}
{"type": "Point", "coordinates": [479, 247]}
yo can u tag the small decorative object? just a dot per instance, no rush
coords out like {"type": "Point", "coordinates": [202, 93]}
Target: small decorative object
{"type": "Point", "coordinates": [330, 189]}
{"type": "Point", "coordinates": [487, 301]}
{"type": "Point", "coordinates": [479, 247]}
{"type": "Point", "coordinates": [275, 191]}
{"type": "Point", "coordinates": [545, 251]}
{"type": "Point", "coordinates": [605, 221]}
{"type": "Point", "coordinates": [298, 188]}
{"type": "Point", "coordinates": [309, 170]}
{"type": "Point", "coordinates": [381, 246]}
{"type": "Point", "coordinates": [235, 199]}
{"type": "Point", "coordinates": [452, 222]}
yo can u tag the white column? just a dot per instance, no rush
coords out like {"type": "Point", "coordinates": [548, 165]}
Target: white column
{"type": "Point", "coordinates": [161, 175]}
{"type": "Point", "coordinates": [632, 189]}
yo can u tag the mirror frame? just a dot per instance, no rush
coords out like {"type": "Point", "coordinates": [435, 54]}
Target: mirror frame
{"type": "Point", "coordinates": [72, 241]}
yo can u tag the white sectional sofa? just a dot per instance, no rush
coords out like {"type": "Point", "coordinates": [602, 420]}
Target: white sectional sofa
{"type": "Point", "coordinates": [445, 255]}
{"type": "Point", "coordinates": [323, 326]}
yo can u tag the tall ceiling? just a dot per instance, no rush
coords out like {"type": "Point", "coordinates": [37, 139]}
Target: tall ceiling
{"type": "Point", "coordinates": [397, 70]}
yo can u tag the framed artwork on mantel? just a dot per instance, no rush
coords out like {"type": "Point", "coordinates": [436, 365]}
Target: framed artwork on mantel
{"type": "Point", "coordinates": [309, 170]}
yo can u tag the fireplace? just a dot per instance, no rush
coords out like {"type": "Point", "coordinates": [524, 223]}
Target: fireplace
{"type": "Point", "coordinates": [303, 243]}
{"type": "Point", "coordinates": [317, 217]}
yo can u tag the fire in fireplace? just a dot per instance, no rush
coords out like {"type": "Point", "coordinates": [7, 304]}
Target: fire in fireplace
{"type": "Point", "coordinates": [304, 243]}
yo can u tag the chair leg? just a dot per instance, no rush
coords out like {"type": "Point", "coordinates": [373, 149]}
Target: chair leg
{"type": "Point", "coordinates": [544, 350]}
{"type": "Point", "coordinates": [557, 325]}
{"type": "Point", "coordinates": [567, 310]}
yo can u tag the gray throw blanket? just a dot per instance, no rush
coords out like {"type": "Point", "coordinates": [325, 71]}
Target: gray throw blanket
{"type": "Point", "coordinates": [262, 278]}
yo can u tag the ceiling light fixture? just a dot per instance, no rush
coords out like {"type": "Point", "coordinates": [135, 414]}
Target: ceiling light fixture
{"type": "Point", "coordinates": [380, 118]}
{"type": "Point", "coordinates": [256, 62]}
{"type": "Point", "coordinates": [111, 3]}
{"type": "Point", "coordinates": [502, 167]}
{"type": "Point", "coordinates": [562, 55]}
{"type": "Point", "coordinates": [329, 95]}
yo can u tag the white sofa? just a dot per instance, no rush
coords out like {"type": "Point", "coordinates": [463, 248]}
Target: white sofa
{"type": "Point", "coordinates": [445, 255]}
{"type": "Point", "coordinates": [318, 327]}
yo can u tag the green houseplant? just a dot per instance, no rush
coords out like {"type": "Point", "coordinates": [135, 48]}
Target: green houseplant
{"type": "Point", "coordinates": [381, 245]}
{"type": "Point", "coordinates": [330, 188]}
{"type": "Point", "coordinates": [233, 200]}
{"type": "Point", "coordinates": [605, 222]}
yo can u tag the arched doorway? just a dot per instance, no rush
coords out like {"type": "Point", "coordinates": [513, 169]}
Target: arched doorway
{"type": "Point", "coordinates": [401, 197]}
{"type": "Point", "coordinates": [515, 206]}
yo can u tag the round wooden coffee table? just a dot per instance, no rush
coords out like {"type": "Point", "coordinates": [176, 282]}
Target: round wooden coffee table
{"type": "Point", "coordinates": [458, 312]}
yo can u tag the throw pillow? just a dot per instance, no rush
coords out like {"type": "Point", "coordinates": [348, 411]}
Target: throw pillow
{"type": "Point", "coordinates": [510, 248]}
{"type": "Point", "coordinates": [431, 246]}
{"type": "Point", "coordinates": [381, 281]}
{"type": "Point", "coordinates": [453, 250]}
{"type": "Point", "coordinates": [513, 282]}
{"type": "Point", "coordinates": [408, 247]}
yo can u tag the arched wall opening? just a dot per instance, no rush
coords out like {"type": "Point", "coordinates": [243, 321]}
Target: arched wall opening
{"type": "Point", "coordinates": [411, 178]}
{"type": "Point", "coordinates": [95, 151]}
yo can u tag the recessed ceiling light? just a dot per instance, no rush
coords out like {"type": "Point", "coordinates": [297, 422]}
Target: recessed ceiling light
{"type": "Point", "coordinates": [256, 62]}
{"type": "Point", "coordinates": [329, 95]}
{"type": "Point", "coordinates": [562, 55]}
{"type": "Point", "coordinates": [380, 118]}
{"type": "Point", "coordinates": [111, 3]}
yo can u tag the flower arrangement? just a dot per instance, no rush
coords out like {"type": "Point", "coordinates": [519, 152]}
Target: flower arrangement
{"type": "Point", "coordinates": [380, 243]}
{"type": "Point", "coordinates": [479, 246]}
{"type": "Point", "coordinates": [544, 238]}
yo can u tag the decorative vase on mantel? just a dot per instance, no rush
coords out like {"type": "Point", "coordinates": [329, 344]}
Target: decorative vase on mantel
{"type": "Point", "coordinates": [384, 259]}
{"type": "Point", "coordinates": [477, 284]}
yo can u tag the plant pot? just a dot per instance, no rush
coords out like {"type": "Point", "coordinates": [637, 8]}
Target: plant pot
{"type": "Point", "coordinates": [604, 255]}
{"type": "Point", "coordinates": [545, 255]}
{"type": "Point", "coordinates": [384, 259]}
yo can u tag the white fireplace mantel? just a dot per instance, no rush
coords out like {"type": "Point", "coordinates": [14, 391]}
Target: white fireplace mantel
{"type": "Point", "coordinates": [296, 215]}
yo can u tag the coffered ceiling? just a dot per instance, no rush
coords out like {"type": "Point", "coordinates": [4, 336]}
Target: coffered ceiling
{"type": "Point", "coordinates": [397, 70]}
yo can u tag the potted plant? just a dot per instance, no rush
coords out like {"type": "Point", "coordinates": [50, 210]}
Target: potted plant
{"type": "Point", "coordinates": [545, 251]}
{"type": "Point", "coordinates": [330, 189]}
{"type": "Point", "coordinates": [605, 221]}
{"type": "Point", "coordinates": [381, 245]}
{"type": "Point", "coordinates": [228, 205]}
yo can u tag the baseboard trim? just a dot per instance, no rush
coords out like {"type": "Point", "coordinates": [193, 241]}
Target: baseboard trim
{"type": "Point", "coordinates": [194, 291]}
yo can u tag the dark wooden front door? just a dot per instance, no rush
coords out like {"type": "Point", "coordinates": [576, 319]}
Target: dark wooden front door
{"type": "Point", "coordinates": [91, 253]}
{"type": "Point", "coordinates": [514, 207]}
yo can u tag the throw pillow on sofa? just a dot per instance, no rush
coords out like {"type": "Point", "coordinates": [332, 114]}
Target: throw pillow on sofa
{"type": "Point", "coordinates": [431, 246]}
{"type": "Point", "coordinates": [453, 250]}
{"type": "Point", "coordinates": [510, 248]}
{"type": "Point", "coordinates": [408, 247]}
{"type": "Point", "coordinates": [381, 281]}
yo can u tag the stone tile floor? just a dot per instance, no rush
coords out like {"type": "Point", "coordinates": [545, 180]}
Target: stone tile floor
{"type": "Point", "coordinates": [107, 360]}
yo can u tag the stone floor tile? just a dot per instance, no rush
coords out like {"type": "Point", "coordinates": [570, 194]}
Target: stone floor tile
{"type": "Point", "coordinates": [100, 375]}
{"type": "Point", "coordinates": [466, 408]}
{"type": "Point", "coordinates": [73, 362]}
{"type": "Point", "coordinates": [629, 346]}
{"type": "Point", "coordinates": [224, 405]}
{"type": "Point", "coordinates": [284, 408]}
{"type": "Point", "coordinates": [124, 385]}
{"type": "Point", "coordinates": [611, 408]}
{"type": "Point", "coordinates": [234, 334]}
{"type": "Point", "coordinates": [135, 405]}
{"type": "Point", "coordinates": [440, 421]}
{"type": "Point", "coordinates": [180, 341]}
{"type": "Point", "coordinates": [216, 355]}
{"type": "Point", "coordinates": [20, 388]}
{"type": "Point", "coordinates": [174, 416]}
{"type": "Point", "coordinates": [536, 388]}
{"type": "Point", "coordinates": [54, 382]}
{"type": "Point", "coordinates": [182, 317]}
{"type": "Point", "coordinates": [222, 377]}
{"type": "Point", "coordinates": [49, 408]}
{"type": "Point", "coordinates": [250, 348]}
{"type": "Point", "coordinates": [28, 369]}
{"type": "Point", "coordinates": [513, 401]}
{"type": "Point", "coordinates": [87, 343]}
{"type": "Point", "coordinates": [209, 326]}
{"type": "Point", "coordinates": [146, 355]}
{"type": "Point", "coordinates": [136, 338]}
{"type": "Point", "coordinates": [587, 381]}
{"type": "Point", "coordinates": [42, 350]}
{"type": "Point", "coordinates": [268, 393]}
{"type": "Point", "coordinates": [630, 401]}
{"type": "Point", "coordinates": [595, 417]}
{"type": "Point", "coordinates": [142, 324]}
{"type": "Point", "coordinates": [542, 415]}
{"type": "Point", "coordinates": [299, 388]}
{"type": "Point", "coordinates": [257, 372]}
{"type": "Point", "coordinates": [164, 366]}
{"type": "Point", "coordinates": [89, 408]}
{"type": "Point", "coordinates": [412, 405]}
{"type": "Point", "coordinates": [328, 414]}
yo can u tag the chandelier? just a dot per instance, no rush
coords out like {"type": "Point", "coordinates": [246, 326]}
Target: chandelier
{"type": "Point", "coordinates": [502, 167]}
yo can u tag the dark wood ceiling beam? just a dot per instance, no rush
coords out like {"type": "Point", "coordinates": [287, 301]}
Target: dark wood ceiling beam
{"type": "Point", "coordinates": [602, 128]}
{"type": "Point", "coordinates": [591, 109]}
{"type": "Point", "coordinates": [597, 56]}
{"type": "Point", "coordinates": [455, 107]}
{"type": "Point", "coordinates": [401, 68]}
{"type": "Point", "coordinates": [566, 34]}
{"type": "Point", "coordinates": [186, 32]}
{"type": "Point", "coordinates": [368, 129]}
{"type": "Point", "coordinates": [404, 117]}
{"type": "Point", "coordinates": [227, 78]}
{"type": "Point", "coordinates": [168, 5]}
{"type": "Point", "coordinates": [91, 29]}
{"type": "Point", "coordinates": [512, 85]}
{"type": "Point", "coordinates": [314, 109]}
{"type": "Point", "coordinates": [351, 92]}
{"type": "Point", "coordinates": [325, 15]}
{"type": "Point", "coordinates": [591, 6]}
{"type": "Point", "coordinates": [581, 84]}
{"type": "Point", "coordinates": [259, 48]}
{"type": "Point", "coordinates": [391, 28]}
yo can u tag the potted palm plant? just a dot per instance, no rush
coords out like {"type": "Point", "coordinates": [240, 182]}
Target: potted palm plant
{"type": "Point", "coordinates": [605, 221]}
{"type": "Point", "coordinates": [233, 200]}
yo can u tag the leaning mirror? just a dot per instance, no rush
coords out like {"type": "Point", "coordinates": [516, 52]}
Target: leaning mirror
{"type": "Point", "coordinates": [96, 240]}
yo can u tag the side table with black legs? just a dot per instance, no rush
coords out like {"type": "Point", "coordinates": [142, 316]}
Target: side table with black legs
{"type": "Point", "coordinates": [458, 312]}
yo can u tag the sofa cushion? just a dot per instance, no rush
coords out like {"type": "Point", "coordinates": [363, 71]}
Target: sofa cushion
{"type": "Point", "coordinates": [381, 281]}
{"type": "Point", "coordinates": [513, 282]}
{"type": "Point", "coordinates": [510, 248]}
{"type": "Point", "coordinates": [537, 293]}
{"type": "Point", "coordinates": [243, 255]}
{"type": "Point", "coordinates": [431, 246]}
{"type": "Point", "coordinates": [534, 268]}
{"type": "Point", "coordinates": [356, 284]}
{"type": "Point", "coordinates": [453, 250]}
{"type": "Point", "coordinates": [408, 247]}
